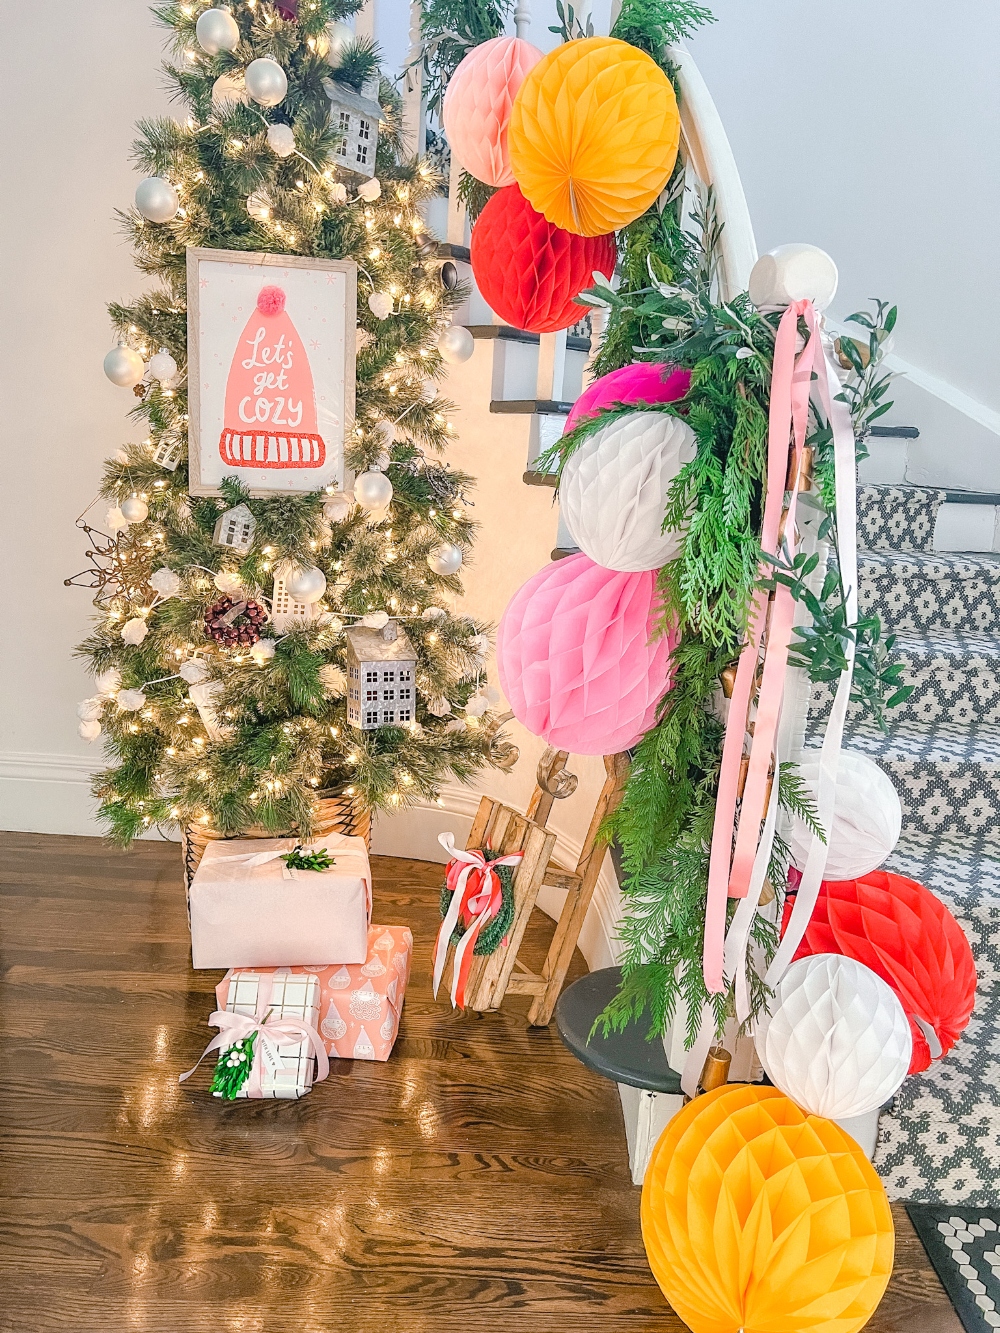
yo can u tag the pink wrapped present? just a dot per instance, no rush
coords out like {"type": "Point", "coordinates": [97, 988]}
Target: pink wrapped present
{"type": "Point", "coordinates": [249, 910]}
{"type": "Point", "coordinates": [360, 1003]}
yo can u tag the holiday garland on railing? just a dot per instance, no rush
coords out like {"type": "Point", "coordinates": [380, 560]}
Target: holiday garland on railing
{"type": "Point", "coordinates": [255, 178]}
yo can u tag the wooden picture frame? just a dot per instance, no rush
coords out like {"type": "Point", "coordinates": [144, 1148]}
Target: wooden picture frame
{"type": "Point", "coordinates": [271, 370]}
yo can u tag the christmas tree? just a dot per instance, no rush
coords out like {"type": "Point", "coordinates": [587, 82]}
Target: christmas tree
{"type": "Point", "coordinates": [216, 710]}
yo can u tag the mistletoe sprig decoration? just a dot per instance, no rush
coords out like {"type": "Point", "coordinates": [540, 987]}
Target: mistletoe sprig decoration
{"type": "Point", "coordinates": [303, 858]}
{"type": "Point", "coordinates": [233, 1067]}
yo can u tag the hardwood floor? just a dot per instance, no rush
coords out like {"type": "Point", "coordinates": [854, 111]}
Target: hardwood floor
{"type": "Point", "coordinates": [478, 1180]}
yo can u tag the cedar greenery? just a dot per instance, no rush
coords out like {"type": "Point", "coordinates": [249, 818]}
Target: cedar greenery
{"type": "Point", "coordinates": [284, 736]}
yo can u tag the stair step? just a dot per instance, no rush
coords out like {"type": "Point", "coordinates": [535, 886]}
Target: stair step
{"type": "Point", "coordinates": [947, 777]}
{"type": "Point", "coordinates": [956, 679]}
{"type": "Point", "coordinates": [915, 591]}
{"type": "Point", "coordinates": [897, 518]}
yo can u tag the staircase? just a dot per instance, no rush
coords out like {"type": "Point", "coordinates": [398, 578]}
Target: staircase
{"type": "Point", "coordinates": [940, 1141]}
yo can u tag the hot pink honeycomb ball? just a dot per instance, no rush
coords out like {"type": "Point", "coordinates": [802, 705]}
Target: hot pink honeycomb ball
{"type": "Point", "coordinates": [641, 382]}
{"type": "Point", "coordinates": [477, 105]}
{"type": "Point", "coordinates": [576, 656]}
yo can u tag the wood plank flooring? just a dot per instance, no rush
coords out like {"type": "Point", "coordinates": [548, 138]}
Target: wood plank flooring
{"type": "Point", "coordinates": [478, 1180]}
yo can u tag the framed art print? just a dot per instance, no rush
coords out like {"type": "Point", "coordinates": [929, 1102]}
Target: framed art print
{"type": "Point", "coordinates": [271, 348]}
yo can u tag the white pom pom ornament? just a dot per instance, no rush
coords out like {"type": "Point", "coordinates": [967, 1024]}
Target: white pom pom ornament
{"type": "Point", "coordinates": [281, 139]}
{"type": "Point", "coordinates": [837, 1040]}
{"type": "Point", "coordinates": [866, 823]}
{"type": "Point", "coordinates": [793, 272]}
{"type": "Point", "coordinates": [613, 488]}
{"type": "Point", "coordinates": [90, 730]}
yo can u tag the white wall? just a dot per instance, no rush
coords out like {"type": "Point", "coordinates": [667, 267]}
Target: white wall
{"type": "Point", "coordinates": [872, 130]}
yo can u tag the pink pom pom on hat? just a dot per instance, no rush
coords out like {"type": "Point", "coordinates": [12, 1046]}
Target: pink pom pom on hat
{"type": "Point", "coordinates": [271, 300]}
{"type": "Point", "coordinates": [477, 105]}
{"type": "Point", "coordinates": [576, 660]}
{"type": "Point", "coordinates": [641, 382]}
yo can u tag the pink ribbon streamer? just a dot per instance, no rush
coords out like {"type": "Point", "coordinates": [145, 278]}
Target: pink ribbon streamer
{"type": "Point", "coordinates": [730, 869]}
{"type": "Point", "coordinates": [269, 1029]}
{"type": "Point", "coordinates": [482, 903]}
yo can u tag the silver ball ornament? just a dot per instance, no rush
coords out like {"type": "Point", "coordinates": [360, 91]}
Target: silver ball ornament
{"type": "Point", "coordinates": [156, 199]}
{"type": "Point", "coordinates": [124, 367]}
{"type": "Point", "coordinates": [265, 81]}
{"type": "Point", "coordinates": [134, 510]}
{"type": "Point", "coordinates": [340, 36]}
{"type": "Point", "coordinates": [456, 344]}
{"type": "Point", "coordinates": [305, 583]}
{"type": "Point", "coordinates": [445, 559]}
{"type": "Point", "coordinates": [163, 367]}
{"type": "Point", "coordinates": [281, 139]}
{"type": "Point", "coordinates": [373, 490]}
{"type": "Point", "coordinates": [217, 30]}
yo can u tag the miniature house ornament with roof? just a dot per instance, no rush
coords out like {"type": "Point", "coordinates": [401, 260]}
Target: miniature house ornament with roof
{"type": "Point", "coordinates": [235, 528]}
{"type": "Point", "coordinates": [355, 117]}
{"type": "Point", "coordinates": [381, 677]}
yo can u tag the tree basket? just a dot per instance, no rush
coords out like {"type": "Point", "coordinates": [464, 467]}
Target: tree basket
{"type": "Point", "coordinates": [334, 814]}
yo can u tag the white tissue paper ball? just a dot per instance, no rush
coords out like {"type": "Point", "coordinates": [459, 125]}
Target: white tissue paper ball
{"type": "Point", "coordinates": [89, 709]}
{"type": "Point", "coordinates": [867, 818]}
{"type": "Point", "coordinates": [228, 582]}
{"type": "Point", "coordinates": [130, 701]}
{"type": "Point", "coordinates": [263, 651]}
{"type": "Point", "coordinates": [836, 1040]}
{"type": "Point", "coordinates": [90, 730]}
{"type": "Point", "coordinates": [163, 367]}
{"type": "Point", "coordinates": [281, 139]}
{"type": "Point", "coordinates": [194, 670]}
{"type": "Point", "coordinates": [380, 304]}
{"type": "Point", "coordinates": [109, 682]}
{"type": "Point", "coordinates": [371, 190]}
{"type": "Point", "coordinates": [165, 582]}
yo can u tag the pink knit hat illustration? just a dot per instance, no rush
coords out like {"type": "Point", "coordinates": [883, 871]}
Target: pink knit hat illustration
{"type": "Point", "coordinates": [270, 418]}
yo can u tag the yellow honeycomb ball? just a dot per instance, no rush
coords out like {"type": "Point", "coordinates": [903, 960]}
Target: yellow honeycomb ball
{"type": "Point", "coordinates": [593, 135]}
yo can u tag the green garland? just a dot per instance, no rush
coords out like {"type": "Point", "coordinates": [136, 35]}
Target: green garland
{"type": "Point", "coordinates": [497, 928]}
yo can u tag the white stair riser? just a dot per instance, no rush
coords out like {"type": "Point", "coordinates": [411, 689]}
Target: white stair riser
{"type": "Point", "coordinates": [962, 527]}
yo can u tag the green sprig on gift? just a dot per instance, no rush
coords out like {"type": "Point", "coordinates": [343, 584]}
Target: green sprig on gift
{"type": "Point", "coordinates": [299, 858]}
{"type": "Point", "coordinates": [233, 1068]}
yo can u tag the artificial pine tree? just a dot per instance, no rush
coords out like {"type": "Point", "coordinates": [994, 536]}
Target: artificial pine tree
{"type": "Point", "coordinates": [272, 731]}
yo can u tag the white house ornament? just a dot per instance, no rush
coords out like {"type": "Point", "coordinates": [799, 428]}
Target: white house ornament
{"type": "Point", "coordinates": [163, 367]}
{"type": "Point", "coordinates": [381, 674]}
{"type": "Point", "coordinates": [133, 633]}
{"type": "Point", "coordinates": [836, 1040]}
{"type": "Point", "coordinates": [613, 488]}
{"type": "Point", "coordinates": [124, 367]}
{"type": "Point", "coordinates": [234, 528]}
{"type": "Point", "coordinates": [356, 119]}
{"type": "Point", "coordinates": [445, 559]}
{"type": "Point", "coordinates": [456, 344]}
{"type": "Point", "coordinates": [217, 30]}
{"type": "Point", "coordinates": [265, 81]}
{"type": "Point", "coordinates": [305, 583]}
{"type": "Point", "coordinates": [793, 272]}
{"type": "Point", "coordinates": [373, 490]}
{"type": "Point", "coordinates": [134, 509]}
{"type": "Point", "coordinates": [867, 818]}
{"type": "Point", "coordinates": [281, 139]}
{"type": "Point", "coordinates": [156, 199]}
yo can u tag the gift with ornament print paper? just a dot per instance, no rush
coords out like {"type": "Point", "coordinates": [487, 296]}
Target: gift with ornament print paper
{"type": "Point", "coordinates": [360, 1003]}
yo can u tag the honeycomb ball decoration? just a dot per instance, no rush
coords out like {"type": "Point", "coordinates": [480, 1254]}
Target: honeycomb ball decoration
{"type": "Point", "coordinates": [796, 272]}
{"type": "Point", "coordinates": [373, 490]}
{"type": "Point", "coordinates": [217, 30]}
{"type": "Point", "coordinates": [445, 559]}
{"type": "Point", "coordinates": [456, 345]}
{"type": "Point", "coordinates": [836, 1039]}
{"type": "Point", "coordinates": [866, 823]}
{"type": "Point", "coordinates": [577, 657]}
{"type": "Point", "coordinates": [531, 272]}
{"type": "Point", "coordinates": [230, 630]}
{"type": "Point", "coordinates": [593, 135]}
{"type": "Point", "coordinates": [758, 1218]}
{"type": "Point", "coordinates": [305, 583]}
{"type": "Point", "coordinates": [156, 199]}
{"type": "Point", "coordinates": [266, 81]}
{"type": "Point", "coordinates": [613, 490]}
{"type": "Point", "coordinates": [641, 382]}
{"type": "Point", "coordinates": [124, 367]}
{"type": "Point", "coordinates": [478, 102]}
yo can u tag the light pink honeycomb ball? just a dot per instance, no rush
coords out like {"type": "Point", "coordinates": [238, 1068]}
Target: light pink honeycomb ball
{"type": "Point", "coordinates": [477, 106]}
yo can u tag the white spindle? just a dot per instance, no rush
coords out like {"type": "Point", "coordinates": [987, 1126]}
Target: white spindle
{"type": "Point", "coordinates": [414, 127]}
{"type": "Point", "coordinates": [522, 18]}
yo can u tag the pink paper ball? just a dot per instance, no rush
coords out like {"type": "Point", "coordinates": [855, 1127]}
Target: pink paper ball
{"type": "Point", "coordinates": [576, 660]}
{"type": "Point", "coordinates": [477, 105]}
{"type": "Point", "coordinates": [270, 300]}
{"type": "Point", "coordinates": [642, 382]}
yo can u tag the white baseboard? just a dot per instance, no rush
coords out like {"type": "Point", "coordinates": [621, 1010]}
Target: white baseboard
{"type": "Point", "coordinates": [47, 793]}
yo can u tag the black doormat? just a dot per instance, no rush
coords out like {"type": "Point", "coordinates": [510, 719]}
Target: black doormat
{"type": "Point", "coordinates": [963, 1244]}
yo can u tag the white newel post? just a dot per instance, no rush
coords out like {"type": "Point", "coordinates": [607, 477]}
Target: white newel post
{"type": "Point", "coordinates": [522, 19]}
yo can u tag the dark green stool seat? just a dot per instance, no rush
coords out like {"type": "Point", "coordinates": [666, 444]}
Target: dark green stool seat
{"type": "Point", "coordinates": [625, 1057]}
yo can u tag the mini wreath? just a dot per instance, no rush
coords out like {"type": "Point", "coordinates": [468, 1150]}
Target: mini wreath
{"type": "Point", "coordinates": [234, 624]}
{"type": "Point", "coordinates": [497, 928]}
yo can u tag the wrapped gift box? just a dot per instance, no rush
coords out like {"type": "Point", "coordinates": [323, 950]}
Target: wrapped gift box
{"type": "Point", "coordinates": [249, 910]}
{"type": "Point", "coordinates": [360, 1003]}
{"type": "Point", "coordinates": [291, 996]}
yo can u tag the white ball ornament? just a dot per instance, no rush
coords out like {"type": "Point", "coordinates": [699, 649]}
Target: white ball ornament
{"type": "Point", "coordinates": [445, 559]}
{"type": "Point", "coordinates": [305, 583]}
{"type": "Point", "coordinates": [265, 81]}
{"type": "Point", "coordinates": [867, 818]}
{"type": "Point", "coordinates": [793, 272]}
{"type": "Point", "coordinates": [130, 701]}
{"type": "Point", "coordinates": [338, 506]}
{"type": "Point", "coordinates": [124, 367]}
{"type": "Point", "coordinates": [613, 488]}
{"type": "Point", "coordinates": [836, 1040]}
{"type": "Point", "coordinates": [229, 90]}
{"type": "Point", "coordinates": [217, 30]}
{"type": "Point", "coordinates": [134, 510]}
{"type": "Point", "coordinates": [194, 670]}
{"type": "Point", "coordinates": [340, 36]}
{"type": "Point", "coordinates": [156, 199]}
{"type": "Point", "coordinates": [456, 344]}
{"type": "Point", "coordinates": [281, 139]}
{"type": "Point", "coordinates": [373, 490]}
{"type": "Point", "coordinates": [109, 682]}
{"type": "Point", "coordinates": [163, 367]}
